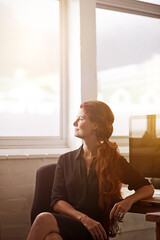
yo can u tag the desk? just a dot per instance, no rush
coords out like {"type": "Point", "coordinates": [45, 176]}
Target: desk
{"type": "Point", "coordinates": [149, 206]}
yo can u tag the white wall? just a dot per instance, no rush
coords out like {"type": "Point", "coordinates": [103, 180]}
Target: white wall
{"type": "Point", "coordinates": [17, 182]}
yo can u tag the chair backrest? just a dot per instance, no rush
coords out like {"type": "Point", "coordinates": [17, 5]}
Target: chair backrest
{"type": "Point", "coordinates": [43, 190]}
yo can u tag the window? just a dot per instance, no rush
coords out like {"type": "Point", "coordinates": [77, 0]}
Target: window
{"type": "Point", "coordinates": [30, 94]}
{"type": "Point", "coordinates": [128, 64]}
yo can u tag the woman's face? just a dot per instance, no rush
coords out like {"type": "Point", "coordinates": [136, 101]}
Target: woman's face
{"type": "Point", "coordinates": [84, 127]}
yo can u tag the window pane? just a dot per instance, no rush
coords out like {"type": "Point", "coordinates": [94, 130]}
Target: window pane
{"type": "Point", "coordinates": [128, 65]}
{"type": "Point", "coordinates": [29, 68]}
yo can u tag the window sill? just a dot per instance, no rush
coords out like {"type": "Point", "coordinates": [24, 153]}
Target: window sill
{"type": "Point", "coordinates": [32, 153]}
{"type": "Point", "coordinates": [43, 153]}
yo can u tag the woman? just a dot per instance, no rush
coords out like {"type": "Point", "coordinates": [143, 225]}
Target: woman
{"type": "Point", "coordinates": [86, 198]}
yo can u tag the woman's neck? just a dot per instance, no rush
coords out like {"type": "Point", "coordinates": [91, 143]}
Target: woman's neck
{"type": "Point", "coordinates": [90, 149]}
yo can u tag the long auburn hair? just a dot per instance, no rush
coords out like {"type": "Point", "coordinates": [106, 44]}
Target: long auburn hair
{"type": "Point", "coordinates": [107, 154]}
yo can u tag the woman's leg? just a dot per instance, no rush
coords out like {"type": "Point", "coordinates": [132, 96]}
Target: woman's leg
{"type": "Point", "coordinates": [44, 224]}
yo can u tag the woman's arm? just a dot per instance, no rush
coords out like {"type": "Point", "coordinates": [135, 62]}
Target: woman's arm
{"type": "Point", "coordinates": [95, 228]}
{"type": "Point", "coordinates": [120, 208]}
{"type": "Point", "coordinates": [66, 209]}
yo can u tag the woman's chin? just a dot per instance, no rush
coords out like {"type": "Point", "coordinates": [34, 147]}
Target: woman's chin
{"type": "Point", "coordinates": [77, 135]}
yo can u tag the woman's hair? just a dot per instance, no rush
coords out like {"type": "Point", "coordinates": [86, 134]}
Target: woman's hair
{"type": "Point", "coordinates": [107, 155]}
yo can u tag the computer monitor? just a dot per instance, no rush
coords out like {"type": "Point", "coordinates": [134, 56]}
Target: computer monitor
{"type": "Point", "coordinates": [144, 144]}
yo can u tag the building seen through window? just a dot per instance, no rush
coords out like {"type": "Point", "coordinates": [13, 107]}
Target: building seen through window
{"type": "Point", "coordinates": [128, 65]}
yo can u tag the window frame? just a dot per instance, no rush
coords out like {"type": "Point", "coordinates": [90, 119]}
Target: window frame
{"type": "Point", "coordinates": [32, 142]}
{"type": "Point", "coordinates": [130, 6]}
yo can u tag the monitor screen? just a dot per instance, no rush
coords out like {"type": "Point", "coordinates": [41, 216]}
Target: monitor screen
{"type": "Point", "coordinates": [144, 144]}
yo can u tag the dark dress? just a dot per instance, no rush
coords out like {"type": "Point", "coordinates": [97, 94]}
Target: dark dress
{"type": "Point", "coordinates": [72, 185]}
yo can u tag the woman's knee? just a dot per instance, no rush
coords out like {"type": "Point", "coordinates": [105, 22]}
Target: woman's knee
{"type": "Point", "coordinates": [46, 219]}
{"type": "Point", "coordinates": [42, 218]}
{"type": "Point", "coordinates": [53, 236]}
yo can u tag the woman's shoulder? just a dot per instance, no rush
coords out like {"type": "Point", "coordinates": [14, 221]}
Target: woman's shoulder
{"type": "Point", "coordinates": [70, 156]}
{"type": "Point", "coordinates": [74, 153]}
{"type": "Point", "coordinates": [122, 161]}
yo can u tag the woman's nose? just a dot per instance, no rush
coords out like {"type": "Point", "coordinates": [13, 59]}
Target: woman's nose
{"type": "Point", "coordinates": [75, 123]}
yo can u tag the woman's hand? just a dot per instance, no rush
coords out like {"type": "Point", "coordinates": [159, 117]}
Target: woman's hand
{"type": "Point", "coordinates": [95, 228]}
{"type": "Point", "coordinates": [119, 209]}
